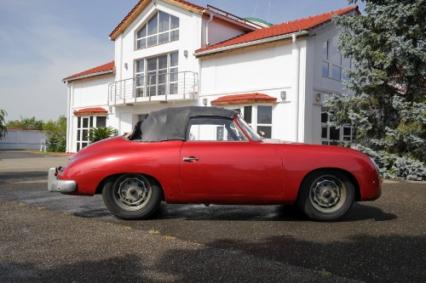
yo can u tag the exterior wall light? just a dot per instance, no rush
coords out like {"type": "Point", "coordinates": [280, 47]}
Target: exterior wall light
{"type": "Point", "coordinates": [205, 101]}
{"type": "Point", "coordinates": [283, 95]}
{"type": "Point", "coordinates": [126, 66]}
{"type": "Point", "coordinates": [185, 53]}
{"type": "Point", "coordinates": [318, 98]}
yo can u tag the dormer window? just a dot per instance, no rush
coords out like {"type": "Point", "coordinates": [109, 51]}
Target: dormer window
{"type": "Point", "coordinates": [160, 29]}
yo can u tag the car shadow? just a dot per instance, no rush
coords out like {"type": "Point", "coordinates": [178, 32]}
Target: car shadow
{"type": "Point", "coordinates": [359, 212]}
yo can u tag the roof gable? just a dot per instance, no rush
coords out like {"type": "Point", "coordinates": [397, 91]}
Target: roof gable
{"type": "Point", "coordinates": [298, 25]}
{"type": "Point", "coordinates": [142, 4]}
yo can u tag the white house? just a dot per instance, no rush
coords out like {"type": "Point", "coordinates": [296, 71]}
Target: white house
{"type": "Point", "coordinates": [175, 53]}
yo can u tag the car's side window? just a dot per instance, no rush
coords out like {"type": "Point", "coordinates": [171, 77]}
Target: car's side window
{"type": "Point", "coordinates": [214, 129]}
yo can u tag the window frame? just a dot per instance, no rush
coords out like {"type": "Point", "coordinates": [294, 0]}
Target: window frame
{"type": "Point", "coordinates": [92, 121]}
{"type": "Point", "coordinates": [327, 59]}
{"type": "Point", "coordinates": [254, 124]}
{"type": "Point", "coordinates": [144, 88]}
{"type": "Point", "coordinates": [342, 137]}
{"type": "Point", "coordinates": [169, 31]}
{"type": "Point", "coordinates": [232, 121]}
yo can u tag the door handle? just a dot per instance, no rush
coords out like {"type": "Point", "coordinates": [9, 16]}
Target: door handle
{"type": "Point", "coordinates": [190, 159]}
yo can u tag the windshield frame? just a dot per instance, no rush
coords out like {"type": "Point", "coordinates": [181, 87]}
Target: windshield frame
{"type": "Point", "coordinates": [247, 130]}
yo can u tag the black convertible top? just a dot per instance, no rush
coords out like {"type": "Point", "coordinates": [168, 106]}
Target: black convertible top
{"type": "Point", "coordinates": [171, 123]}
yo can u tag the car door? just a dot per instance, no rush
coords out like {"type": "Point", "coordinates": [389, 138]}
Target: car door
{"type": "Point", "coordinates": [219, 163]}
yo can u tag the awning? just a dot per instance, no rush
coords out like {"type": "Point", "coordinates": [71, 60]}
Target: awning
{"type": "Point", "coordinates": [248, 98]}
{"type": "Point", "coordinates": [90, 111]}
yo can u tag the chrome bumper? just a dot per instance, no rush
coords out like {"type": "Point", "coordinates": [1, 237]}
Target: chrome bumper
{"type": "Point", "coordinates": [62, 186]}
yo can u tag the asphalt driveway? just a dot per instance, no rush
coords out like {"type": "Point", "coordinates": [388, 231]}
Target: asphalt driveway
{"type": "Point", "coordinates": [51, 237]}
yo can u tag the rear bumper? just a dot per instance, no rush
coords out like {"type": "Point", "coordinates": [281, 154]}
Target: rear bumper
{"type": "Point", "coordinates": [61, 186]}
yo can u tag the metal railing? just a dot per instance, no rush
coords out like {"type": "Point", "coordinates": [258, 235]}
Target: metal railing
{"type": "Point", "coordinates": [157, 86]}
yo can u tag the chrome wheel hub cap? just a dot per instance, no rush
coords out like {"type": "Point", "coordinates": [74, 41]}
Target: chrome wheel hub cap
{"type": "Point", "coordinates": [132, 193]}
{"type": "Point", "coordinates": [327, 194]}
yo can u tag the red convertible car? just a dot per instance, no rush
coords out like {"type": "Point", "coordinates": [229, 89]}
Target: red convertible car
{"type": "Point", "coordinates": [210, 155]}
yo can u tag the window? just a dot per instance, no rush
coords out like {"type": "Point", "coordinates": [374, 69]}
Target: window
{"type": "Point", "coordinates": [100, 122]}
{"type": "Point", "coordinates": [332, 135]}
{"type": "Point", "coordinates": [259, 117]}
{"type": "Point", "coordinates": [336, 73]}
{"type": "Point", "coordinates": [247, 114]}
{"type": "Point", "coordinates": [160, 29]}
{"type": "Point", "coordinates": [214, 129]}
{"type": "Point", "coordinates": [333, 64]}
{"type": "Point", "coordinates": [84, 125]}
{"type": "Point", "coordinates": [264, 121]}
{"type": "Point", "coordinates": [140, 78]}
{"type": "Point", "coordinates": [161, 75]}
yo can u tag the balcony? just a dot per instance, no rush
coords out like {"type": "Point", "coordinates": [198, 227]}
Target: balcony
{"type": "Point", "coordinates": [156, 87]}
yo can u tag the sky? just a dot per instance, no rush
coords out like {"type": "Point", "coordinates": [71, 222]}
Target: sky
{"type": "Point", "coordinates": [43, 41]}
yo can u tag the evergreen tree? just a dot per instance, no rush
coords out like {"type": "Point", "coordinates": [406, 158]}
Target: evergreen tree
{"type": "Point", "coordinates": [387, 104]}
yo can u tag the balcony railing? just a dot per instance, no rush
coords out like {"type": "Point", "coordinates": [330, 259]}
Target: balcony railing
{"type": "Point", "coordinates": [158, 86]}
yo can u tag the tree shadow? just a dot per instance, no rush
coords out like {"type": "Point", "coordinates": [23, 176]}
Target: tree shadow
{"type": "Point", "coordinates": [120, 269]}
{"type": "Point", "coordinates": [392, 258]}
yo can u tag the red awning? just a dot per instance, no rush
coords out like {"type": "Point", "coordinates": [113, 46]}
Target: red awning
{"type": "Point", "coordinates": [90, 111]}
{"type": "Point", "coordinates": [248, 98]}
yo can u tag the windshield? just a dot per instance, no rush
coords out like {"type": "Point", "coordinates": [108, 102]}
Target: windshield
{"type": "Point", "coordinates": [252, 134]}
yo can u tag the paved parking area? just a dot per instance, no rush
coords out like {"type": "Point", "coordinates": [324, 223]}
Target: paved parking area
{"type": "Point", "coordinates": [52, 237]}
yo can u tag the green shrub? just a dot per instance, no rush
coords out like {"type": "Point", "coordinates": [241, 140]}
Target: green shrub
{"type": "Point", "coordinates": [3, 129]}
{"type": "Point", "coordinates": [56, 132]}
{"type": "Point", "coordinates": [98, 134]}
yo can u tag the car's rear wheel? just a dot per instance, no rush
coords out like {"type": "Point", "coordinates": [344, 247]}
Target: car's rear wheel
{"type": "Point", "coordinates": [326, 195]}
{"type": "Point", "coordinates": [132, 196]}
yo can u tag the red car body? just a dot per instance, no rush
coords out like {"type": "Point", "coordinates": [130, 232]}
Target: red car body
{"type": "Point", "coordinates": [246, 172]}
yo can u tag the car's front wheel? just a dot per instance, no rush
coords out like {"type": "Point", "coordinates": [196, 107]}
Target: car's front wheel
{"type": "Point", "coordinates": [326, 195]}
{"type": "Point", "coordinates": [132, 196]}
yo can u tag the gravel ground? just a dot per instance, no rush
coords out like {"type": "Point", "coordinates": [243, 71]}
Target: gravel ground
{"type": "Point", "coordinates": [53, 237]}
{"type": "Point", "coordinates": [40, 245]}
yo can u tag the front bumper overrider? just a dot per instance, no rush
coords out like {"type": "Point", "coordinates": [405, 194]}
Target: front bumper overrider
{"type": "Point", "coordinates": [61, 186]}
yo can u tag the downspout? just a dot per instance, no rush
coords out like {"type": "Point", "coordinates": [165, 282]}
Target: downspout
{"type": "Point", "coordinates": [207, 28]}
{"type": "Point", "coordinates": [68, 118]}
{"type": "Point", "coordinates": [296, 51]}
{"type": "Point", "coordinates": [69, 145]}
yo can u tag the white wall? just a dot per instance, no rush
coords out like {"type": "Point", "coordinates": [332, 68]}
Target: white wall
{"type": "Point", "coordinates": [323, 84]}
{"type": "Point", "coordinates": [247, 70]}
{"type": "Point", "coordinates": [91, 92]}
{"type": "Point", "coordinates": [219, 30]}
{"type": "Point", "coordinates": [23, 139]}
{"type": "Point", "coordinates": [190, 25]}
{"type": "Point", "coordinates": [269, 70]}
{"type": "Point", "coordinates": [317, 87]}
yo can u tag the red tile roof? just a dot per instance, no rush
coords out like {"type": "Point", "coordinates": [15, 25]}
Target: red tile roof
{"type": "Point", "coordinates": [90, 111]}
{"type": "Point", "coordinates": [96, 71]}
{"type": "Point", "coordinates": [246, 98]}
{"type": "Point", "coordinates": [281, 29]}
{"type": "Point", "coordinates": [128, 19]}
